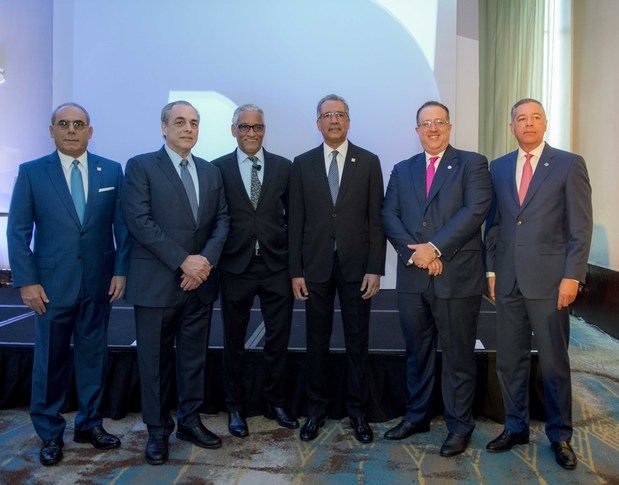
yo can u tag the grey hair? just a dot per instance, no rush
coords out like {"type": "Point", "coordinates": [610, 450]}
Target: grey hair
{"type": "Point", "coordinates": [246, 107]}
{"type": "Point", "coordinates": [165, 111]}
{"type": "Point", "coordinates": [71, 105]}
{"type": "Point", "coordinates": [331, 97]}
{"type": "Point", "coordinates": [522, 101]}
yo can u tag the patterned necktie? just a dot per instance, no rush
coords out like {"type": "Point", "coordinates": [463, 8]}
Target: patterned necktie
{"type": "Point", "coordinates": [527, 175]}
{"type": "Point", "coordinates": [256, 186]}
{"type": "Point", "coordinates": [190, 188]}
{"type": "Point", "coordinates": [77, 191]}
{"type": "Point", "coordinates": [334, 176]}
{"type": "Point", "coordinates": [430, 172]}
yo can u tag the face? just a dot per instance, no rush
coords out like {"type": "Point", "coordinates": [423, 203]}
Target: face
{"type": "Point", "coordinates": [529, 125]}
{"type": "Point", "coordinates": [334, 130]}
{"type": "Point", "coordinates": [434, 139]}
{"type": "Point", "coordinates": [69, 139]}
{"type": "Point", "coordinates": [181, 129]}
{"type": "Point", "coordinates": [250, 141]}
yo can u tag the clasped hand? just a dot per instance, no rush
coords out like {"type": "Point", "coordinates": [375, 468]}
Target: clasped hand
{"type": "Point", "coordinates": [196, 269]}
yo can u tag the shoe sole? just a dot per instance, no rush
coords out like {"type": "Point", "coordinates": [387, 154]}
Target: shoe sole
{"type": "Point", "coordinates": [184, 437]}
{"type": "Point", "coordinates": [150, 461]}
{"type": "Point", "coordinates": [312, 438]}
{"type": "Point", "coordinates": [98, 447]}
{"type": "Point", "coordinates": [399, 438]}
{"type": "Point", "coordinates": [237, 434]}
{"type": "Point", "coordinates": [51, 463]}
{"type": "Point", "coordinates": [503, 450]}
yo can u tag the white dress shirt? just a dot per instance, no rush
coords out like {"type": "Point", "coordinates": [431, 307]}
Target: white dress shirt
{"type": "Point", "coordinates": [67, 166]}
{"type": "Point", "coordinates": [191, 166]}
{"type": "Point", "coordinates": [342, 150]}
{"type": "Point", "coordinates": [245, 165]}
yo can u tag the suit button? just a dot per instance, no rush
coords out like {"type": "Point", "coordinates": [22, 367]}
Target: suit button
{"type": "Point", "coordinates": [519, 223]}
{"type": "Point", "coordinates": [334, 215]}
{"type": "Point", "coordinates": [424, 223]}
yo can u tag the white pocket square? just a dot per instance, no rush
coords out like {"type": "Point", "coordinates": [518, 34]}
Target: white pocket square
{"type": "Point", "coordinates": [105, 189]}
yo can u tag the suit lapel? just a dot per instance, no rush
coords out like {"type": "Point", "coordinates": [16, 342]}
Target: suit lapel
{"type": "Point", "coordinates": [232, 165]}
{"type": "Point", "coordinates": [267, 176]}
{"type": "Point", "coordinates": [543, 169]}
{"type": "Point", "coordinates": [203, 182]}
{"type": "Point", "coordinates": [445, 169]}
{"type": "Point", "coordinates": [510, 177]}
{"type": "Point", "coordinates": [418, 177]}
{"type": "Point", "coordinates": [318, 167]}
{"type": "Point", "coordinates": [348, 173]}
{"type": "Point", "coordinates": [94, 183]}
{"type": "Point", "coordinates": [59, 182]}
{"type": "Point", "coordinates": [166, 166]}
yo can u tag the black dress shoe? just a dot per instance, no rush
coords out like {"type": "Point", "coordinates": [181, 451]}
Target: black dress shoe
{"type": "Point", "coordinates": [404, 429]}
{"type": "Point", "coordinates": [97, 437]}
{"type": "Point", "coordinates": [310, 428]}
{"type": "Point", "coordinates": [198, 435]}
{"type": "Point", "coordinates": [564, 455]}
{"type": "Point", "coordinates": [454, 444]}
{"type": "Point", "coordinates": [282, 418]}
{"type": "Point", "coordinates": [156, 452]}
{"type": "Point", "coordinates": [362, 429]}
{"type": "Point", "coordinates": [506, 440]}
{"type": "Point", "coordinates": [51, 452]}
{"type": "Point", "coordinates": [237, 424]}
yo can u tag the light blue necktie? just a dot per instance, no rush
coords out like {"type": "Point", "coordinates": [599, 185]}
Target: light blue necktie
{"type": "Point", "coordinates": [334, 177]}
{"type": "Point", "coordinates": [190, 188]}
{"type": "Point", "coordinates": [77, 191]}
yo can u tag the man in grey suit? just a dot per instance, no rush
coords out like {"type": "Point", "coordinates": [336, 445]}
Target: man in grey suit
{"type": "Point", "coordinates": [537, 248]}
{"type": "Point", "coordinates": [176, 211]}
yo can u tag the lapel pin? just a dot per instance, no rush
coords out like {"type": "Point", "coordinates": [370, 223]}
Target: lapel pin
{"type": "Point", "coordinates": [546, 164]}
{"type": "Point", "coordinates": [98, 169]}
{"type": "Point", "coordinates": [448, 167]}
{"type": "Point", "coordinates": [353, 160]}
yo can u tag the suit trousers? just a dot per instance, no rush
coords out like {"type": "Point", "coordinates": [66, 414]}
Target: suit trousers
{"type": "Point", "coordinates": [517, 316]}
{"type": "Point", "coordinates": [237, 296]}
{"type": "Point", "coordinates": [424, 319]}
{"type": "Point", "coordinates": [187, 324]}
{"type": "Point", "coordinates": [355, 312]}
{"type": "Point", "coordinates": [86, 320]}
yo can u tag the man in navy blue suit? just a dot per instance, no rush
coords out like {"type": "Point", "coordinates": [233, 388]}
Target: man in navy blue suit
{"type": "Point", "coordinates": [71, 276]}
{"type": "Point", "coordinates": [538, 243]}
{"type": "Point", "coordinates": [435, 204]}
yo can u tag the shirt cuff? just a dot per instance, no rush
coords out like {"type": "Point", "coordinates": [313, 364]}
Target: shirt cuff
{"type": "Point", "coordinates": [437, 250]}
{"type": "Point", "coordinates": [490, 274]}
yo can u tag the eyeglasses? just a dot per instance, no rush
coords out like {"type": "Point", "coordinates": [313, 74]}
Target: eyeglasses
{"type": "Point", "coordinates": [244, 128]}
{"type": "Point", "coordinates": [78, 125]}
{"type": "Point", "coordinates": [438, 123]}
{"type": "Point", "coordinates": [338, 115]}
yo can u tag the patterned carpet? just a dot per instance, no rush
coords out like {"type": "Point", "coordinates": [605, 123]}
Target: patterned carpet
{"type": "Point", "coordinates": [273, 455]}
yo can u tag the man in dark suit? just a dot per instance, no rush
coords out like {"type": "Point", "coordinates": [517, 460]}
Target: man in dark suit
{"type": "Point", "coordinates": [537, 248]}
{"type": "Point", "coordinates": [336, 242]}
{"type": "Point", "coordinates": [71, 276]}
{"type": "Point", "coordinates": [255, 262]}
{"type": "Point", "coordinates": [175, 209]}
{"type": "Point", "coordinates": [435, 204]}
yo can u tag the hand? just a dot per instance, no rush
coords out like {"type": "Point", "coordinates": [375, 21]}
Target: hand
{"type": "Point", "coordinates": [424, 254]}
{"type": "Point", "coordinates": [197, 267]}
{"type": "Point", "coordinates": [188, 283]}
{"type": "Point", "coordinates": [370, 285]}
{"type": "Point", "coordinates": [568, 289]}
{"type": "Point", "coordinates": [34, 297]}
{"type": "Point", "coordinates": [491, 283]}
{"type": "Point", "coordinates": [117, 288]}
{"type": "Point", "coordinates": [435, 268]}
{"type": "Point", "coordinates": [299, 289]}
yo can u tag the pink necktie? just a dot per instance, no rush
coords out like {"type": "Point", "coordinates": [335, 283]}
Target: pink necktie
{"type": "Point", "coordinates": [430, 171]}
{"type": "Point", "coordinates": [527, 174]}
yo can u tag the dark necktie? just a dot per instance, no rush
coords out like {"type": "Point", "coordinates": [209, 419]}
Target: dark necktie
{"type": "Point", "coordinates": [77, 191]}
{"type": "Point", "coordinates": [190, 188]}
{"type": "Point", "coordinates": [333, 177]}
{"type": "Point", "coordinates": [256, 186]}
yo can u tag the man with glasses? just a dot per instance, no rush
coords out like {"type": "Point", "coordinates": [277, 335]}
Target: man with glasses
{"type": "Point", "coordinates": [255, 262]}
{"type": "Point", "coordinates": [336, 243]}
{"type": "Point", "coordinates": [175, 209]}
{"type": "Point", "coordinates": [435, 204]}
{"type": "Point", "coordinates": [77, 267]}
{"type": "Point", "coordinates": [537, 248]}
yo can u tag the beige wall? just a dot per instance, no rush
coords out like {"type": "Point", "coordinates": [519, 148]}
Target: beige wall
{"type": "Point", "coordinates": [596, 118]}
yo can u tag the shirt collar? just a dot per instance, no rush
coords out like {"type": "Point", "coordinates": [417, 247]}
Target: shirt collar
{"type": "Point", "coordinates": [439, 155]}
{"type": "Point", "coordinates": [536, 152]}
{"type": "Point", "coordinates": [241, 156]}
{"type": "Point", "coordinates": [67, 160]}
{"type": "Point", "coordinates": [341, 150]}
{"type": "Point", "coordinates": [176, 158]}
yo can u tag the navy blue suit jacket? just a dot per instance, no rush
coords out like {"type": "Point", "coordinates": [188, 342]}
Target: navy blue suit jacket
{"type": "Point", "coordinates": [65, 252]}
{"type": "Point", "coordinates": [549, 236]}
{"type": "Point", "coordinates": [450, 217]}
{"type": "Point", "coordinates": [160, 220]}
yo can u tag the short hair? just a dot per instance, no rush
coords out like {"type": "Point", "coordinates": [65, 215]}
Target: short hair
{"type": "Point", "coordinates": [331, 97]}
{"type": "Point", "coordinates": [165, 111]}
{"type": "Point", "coordinates": [245, 107]}
{"type": "Point", "coordinates": [70, 105]}
{"type": "Point", "coordinates": [431, 103]}
{"type": "Point", "coordinates": [525, 101]}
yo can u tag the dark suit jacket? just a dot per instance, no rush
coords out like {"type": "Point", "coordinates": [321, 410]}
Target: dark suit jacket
{"type": "Point", "coordinates": [159, 218]}
{"type": "Point", "coordinates": [549, 237]}
{"type": "Point", "coordinates": [353, 224]}
{"type": "Point", "coordinates": [450, 217]}
{"type": "Point", "coordinates": [65, 251]}
{"type": "Point", "coordinates": [268, 222]}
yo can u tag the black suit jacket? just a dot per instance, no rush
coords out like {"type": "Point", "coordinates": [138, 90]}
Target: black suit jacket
{"type": "Point", "coordinates": [268, 223]}
{"type": "Point", "coordinates": [354, 224]}
{"type": "Point", "coordinates": [159, 218]}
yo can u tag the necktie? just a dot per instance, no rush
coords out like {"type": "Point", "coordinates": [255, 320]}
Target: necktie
{"type": "Point", "coordinates": [77, 191]}
{"type": "Point", "coordinates": [430, 172]}
{"type": "Point", "coordinates": [256, 186]}
{"type": "Point", "coordinates": [190, 188]}
{"type": "Point", "coordinates": [527, 175]}
{"type": "Point", "coordinates": [334, 177]}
